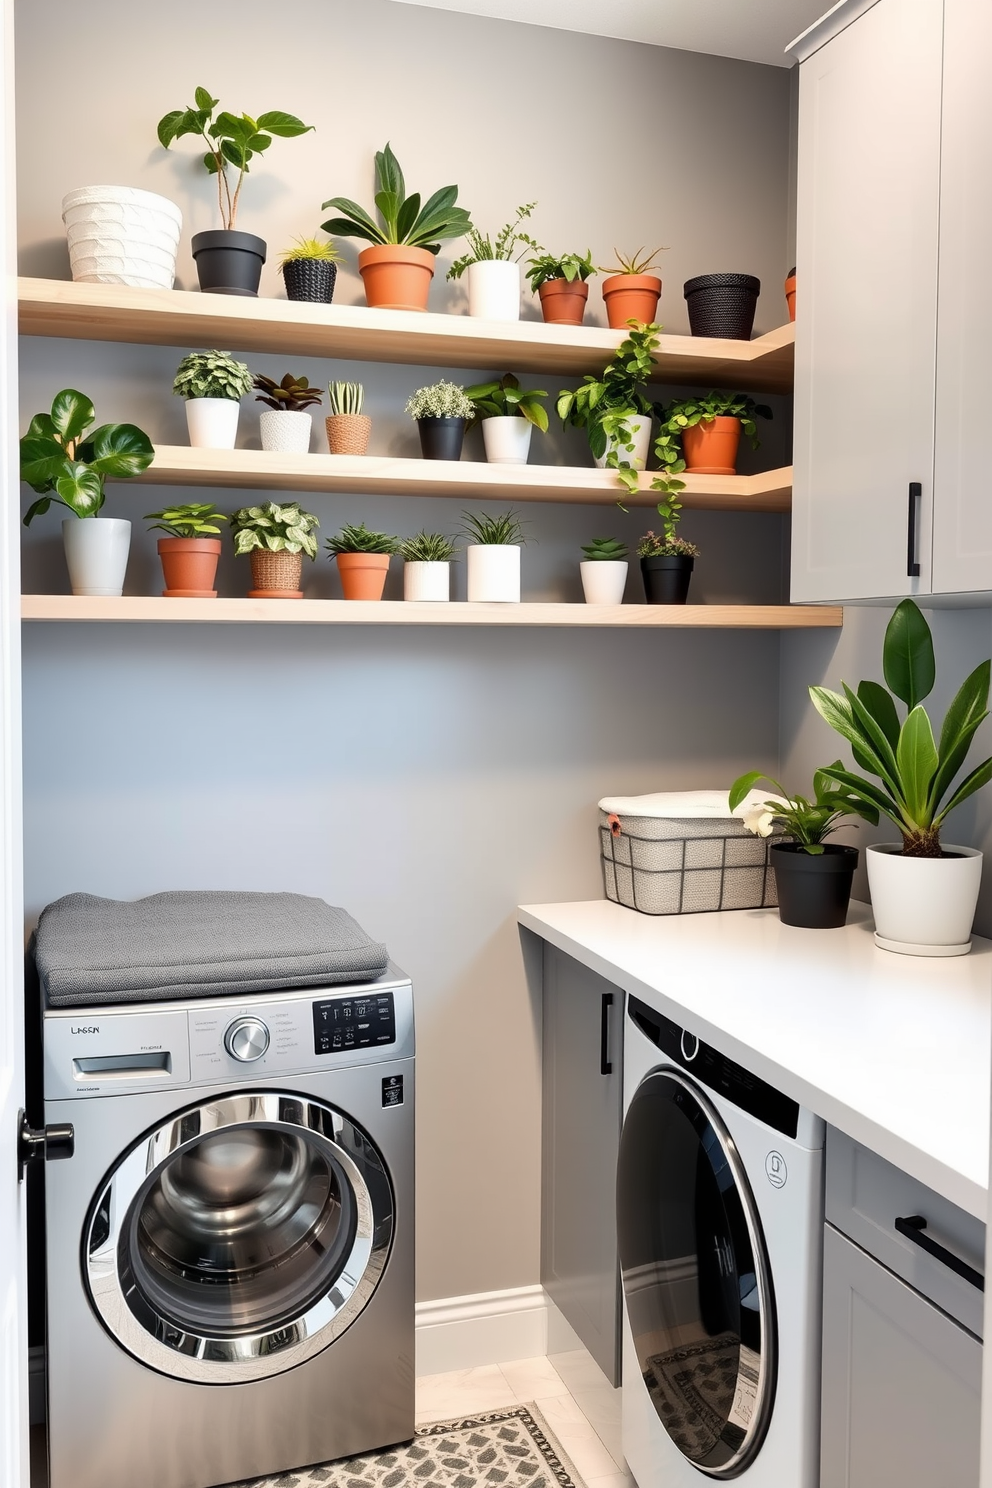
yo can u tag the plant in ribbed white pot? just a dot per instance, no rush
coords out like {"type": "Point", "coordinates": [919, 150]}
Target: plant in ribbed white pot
{"type": "Point", "coordinates": [120, 235]}
{"type": "Point", "coordinates": [493, 556]}
{"type": "Point", "coordinates": [427, 566]}
{"type": "Point", "coordinates": [286, 426]}
{"type": "Point", "coordinates": [212, 383]}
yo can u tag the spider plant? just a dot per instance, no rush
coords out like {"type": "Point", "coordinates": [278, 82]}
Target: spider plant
{"type": "Point", "coordinates": [503, 530]}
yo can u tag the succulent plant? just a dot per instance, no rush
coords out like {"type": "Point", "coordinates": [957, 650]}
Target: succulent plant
{"type": "Point", "coordinates": [606, 549]}
{"type": "Point", "coordinates": [360, 540]}
{"type": "Point", "coordinates": [292, 395]}
{"type": "Point", "coordinates": [212, 374]}
{"type": "Point", "coordinates": [345, 397]}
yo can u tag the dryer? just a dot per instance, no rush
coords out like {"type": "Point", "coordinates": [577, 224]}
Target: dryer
{"type": "Point", "coordinates": [230, 1248]}
{"type": "Point", "coordinates": [720, 1222]}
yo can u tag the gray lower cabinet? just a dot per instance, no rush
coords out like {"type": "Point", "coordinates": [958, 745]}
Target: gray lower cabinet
{"type": "Point", "coordinates": [582, 1110]}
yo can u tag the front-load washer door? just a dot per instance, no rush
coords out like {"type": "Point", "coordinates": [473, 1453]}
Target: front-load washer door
{"type": "Point", "coordinates": [695, 1277]}
{"type": "Point", "coordinates": [239, 1238]}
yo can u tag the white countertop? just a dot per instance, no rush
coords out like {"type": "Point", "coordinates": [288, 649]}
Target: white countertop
{"type": "Point", "coordinates": [894, 1050]}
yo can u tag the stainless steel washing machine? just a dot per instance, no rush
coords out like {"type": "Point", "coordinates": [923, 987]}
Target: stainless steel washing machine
{"type": "Point", "coordinates": [230, 1249]}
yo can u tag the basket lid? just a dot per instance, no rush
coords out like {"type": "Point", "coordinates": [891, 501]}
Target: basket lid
{"type": "Point", "coordinates": [684, 805]}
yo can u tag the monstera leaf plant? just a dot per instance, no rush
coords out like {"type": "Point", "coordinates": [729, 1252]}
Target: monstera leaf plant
{"type": "Point", "coordinates": [66, 464]}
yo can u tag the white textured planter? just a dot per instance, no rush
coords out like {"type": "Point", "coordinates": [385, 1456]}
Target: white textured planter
{"type": "Point", "coordinates": [641, 429]}
{"type": "Point", "coordinates": [494, 289]}
{"type": "Point", "coordinates": [493, 573]}
{"type": "Point", "coordinates": [285, 431]}
{"type": "Point", "coordinates": [507, 440]}
{"type": "Point", "coordinates": [213, 422]}
{"type": "Point", "coordinates": [119, 235]}
{"type": "Point", "coordinates": [96, 550]}
{"type": "Point", "coordinates": [603, 580]}
{"type": "Point", "coordinates": [430, 581]}
{"type": "Point", "coordinates": [923, 906]}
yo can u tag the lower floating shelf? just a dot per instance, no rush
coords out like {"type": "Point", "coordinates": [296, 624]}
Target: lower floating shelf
{"type": "Point", "coordinates": [69, 607]}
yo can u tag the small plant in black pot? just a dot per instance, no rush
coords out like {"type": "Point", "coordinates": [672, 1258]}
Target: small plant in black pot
{"type": "Point", "coordinates": [442, 411]}
{"type": "Point", "coordinates": [813, 877]}
{"type": "Point", "coordinates": [309, 271]}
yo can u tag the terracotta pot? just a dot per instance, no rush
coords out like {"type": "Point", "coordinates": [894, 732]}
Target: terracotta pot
{"type": "Point", "coordinates": [790, 294]}
{"type": "Point", "coordinates": [275, 575]}
{"type": "Point", "coordinates": [563, 301]}
{"type": "Point", "coordinates": [363, 575]}
{"type": "Point", "coordinates": [396, 278]}
{"type": "Point", "coordinates": [189, 565]}
{"type": "Point", "coordinates": [710, 448]}
{"type": "Point", "coordinates": [348, 433]}
{"type": "Point", "coordinates": [631, 297]}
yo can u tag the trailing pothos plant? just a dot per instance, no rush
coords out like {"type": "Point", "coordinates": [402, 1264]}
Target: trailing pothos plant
{"type": "Point", "coordinates": [507, 399]}
{"type": "Point", "coordinates": [604, 405]}
{"type": "Point", "coordinates": [64, 464]}
{"type": "Point", "coordinates": [685, 413]}
{"type": "Point", "coordinates": [401, 218]}
{"type": "Point", "coordinates": [806, 822]}
{"type": "Point", "coordinates": [916, 773]}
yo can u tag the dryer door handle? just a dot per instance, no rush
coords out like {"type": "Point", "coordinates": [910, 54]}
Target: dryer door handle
{"type": "Point", "coordinates": [914, 1227]}
{"type": "Point", "coordinates": [605, 1062]}
{"type": "Point", "coordinates": [42, 1143]}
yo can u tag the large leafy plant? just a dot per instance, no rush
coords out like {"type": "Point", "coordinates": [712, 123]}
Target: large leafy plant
{"type": "Point", "coordinates": [806, 822]}
{"type": "Point", "coordinates": [401, 218]}
{"type": "Point", "coordinates": [279, 528]}
{"type": "Point", "coordinates": [484, 249]}
{"type": "Point", "coordinates": [544, 267]}
{"type": "Point", "coordinates": [916, 774]}
{"type": "Point", "coordinates": [64, 464]}
{"type": "Point", "coordinates": [507, 399]}
{"type": "Point", "coordinates": [231, 139]}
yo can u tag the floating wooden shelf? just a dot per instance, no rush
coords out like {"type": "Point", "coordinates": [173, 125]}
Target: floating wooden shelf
{"type": "Point", "coordinates": [162, 317]}
{"type": "Point", "coordinates": [67, 607]}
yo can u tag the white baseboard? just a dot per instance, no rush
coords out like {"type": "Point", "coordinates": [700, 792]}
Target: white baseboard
{"type": "Point", "coordinates": [484, 1328]}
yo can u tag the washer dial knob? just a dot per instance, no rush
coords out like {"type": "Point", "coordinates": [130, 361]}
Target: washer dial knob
{"type": "Point", "coordinates": [246, 1039]}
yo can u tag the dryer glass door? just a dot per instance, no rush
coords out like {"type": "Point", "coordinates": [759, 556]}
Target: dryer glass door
{"type": "Point", "coordinates": [695, 1278]}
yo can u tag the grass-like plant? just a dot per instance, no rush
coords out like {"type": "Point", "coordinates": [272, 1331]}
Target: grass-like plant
{"type": "Point", "coordinates": [345, 397]}
{"type": "Point", "coordinates": [484, 249]}
{"type": "Point", "coordinates": [65, 464]}
{"type": "Point", "coordinates": [806, 822]}
{"type": "Point", "coordinates": [427, 547]}
{"type": "Point", "coordinates": [193, 519]}
{"type": "Point", "coordinates": [292, 395]}
{"type": "Point", "coordinates": [360, 540]}
{"type": "Point", "coordinates": [401, 218]}
{"type": "Point", "coordinates": [916, 774]}
{"type": "Point", "coordinates": [605, 550]}
{"type": "Point", "coordinates": [440, 400]}
{"type": "Point", "coordinates": [503, 530]}
{"type": "Point", "coordinates": [282, 528]}
{"type": "Point", "coordinates": [544, 267]}
{"type": "Point", "coordinates": [685, 413]}
{"type": "Point", "coordinates": [212, 374]}
{"type": "Point", "coordinates": [636, 263]}
{"type": "Point", "coordinates": [310, 249]}
{"type": "Point", "coordinates": [507, 399]}
{"type": "Point", "coordinates": [666, 545]}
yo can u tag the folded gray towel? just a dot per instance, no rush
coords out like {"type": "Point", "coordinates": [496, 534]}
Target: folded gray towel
{"type": "Point", "coordinates": [193, 944]}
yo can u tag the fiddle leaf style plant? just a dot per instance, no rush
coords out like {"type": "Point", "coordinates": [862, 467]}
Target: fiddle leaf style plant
{"type": "Point", "coordinates": [916, 773]}
{"type": "Point", "coordinates": [427, 547]}
{"type": "Point", "coordinates": [292, 395]}
{"type": "Point", "coordinates": [401, 218]}
{"type": "Point", "coordinates": [806, 822]}
{"type": "Point", "coordinates": [360, 540]}
{"type": "Point", "coordinates": [483, 248]}
{"type": "Point", "coordinates": [279, 528]}
{"type": "Point", "coordinates": [605, 550]}
{"type": "Point", "coordinates": [544, 267]}
{"type": "Point", "coordinates": [64, 464]}
{"type": "Point", "coordinates": [230, 140]}
{"type": "Point", "coordinates": [507, 399]}
{"type": "Point", "coordinates": [685, 413]}
{"type": "Point", "coordinates": [212, 374]}
{"type": "Point", "coordinates": [194, 519]}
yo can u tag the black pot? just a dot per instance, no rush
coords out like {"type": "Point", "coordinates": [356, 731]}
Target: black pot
{"type": "Point", "coordinates": [228, 262]}
{"type": "Point", "coordinates": [441, 438]}
{"type": "Point", "coordinates": [813, 892]}
{"type": "Point", "coordinates": [666, 578]}
{"type": "Point", "coordinates": [722, 304]}
{"type": "Point", "coordinates": [310, 279]}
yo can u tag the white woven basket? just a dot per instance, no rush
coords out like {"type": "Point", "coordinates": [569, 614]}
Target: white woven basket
{"type": "Point", "coordinates": [120, 235]}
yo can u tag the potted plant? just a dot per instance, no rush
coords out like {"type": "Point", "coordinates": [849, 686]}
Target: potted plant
{"type": "Point", "coordinates": [604, 571]}
{"type": "Point", "coordinates": [561, 284]}
{"type": "Point", "coordinates": [363, 560]}
{"type": "Point", "coordinates": [667, 562]}
{"type": "Point", "coordinates": [228, 261]}
{"type": "Point", "coordinates": [64, 461]}
{"type": "Point", "coordinates": [119, 235]}
{"type": "Point", "coordinates": [493, 272]}
{"type": "Point", "coordinates": [190, 550]}
{"type": "Point", "coordinates": [722, 304]}
{"type": "Point", "coordinates": [427, 566]}
{"type": "Point", "coordinates": [509, 415]}
{"type": "Point", "coordinates": [493, 556]}
{"type": "Point", "coordinates": [405, 240]}
{"type": "Point", "coordinates": [348, 428]}
{"type": "Point", "coordinates": [212, 384]}
{"type": "Point", "coordinates": [923, 893]}
{"type": "Point", "coordinates": [276, 536]}
{"type": "Point", "coordinates": [631, 293]}
{"type": "Point", "coordinates": [613, 408]}
{"type": "Point", "coordinates": [309, 270]}
{"type": "Point", "coordinates": [790, 293]}
{"type": "Point", "coordinates": [813, 877]}
{"type": "Point", "coordinates": [702, 433]}
{"type": "Point", "coordinates": [286, 426]}
{"type": "Point", "coordinates": [442, 411]}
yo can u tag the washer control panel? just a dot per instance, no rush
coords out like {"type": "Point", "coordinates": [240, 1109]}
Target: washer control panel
{"type": "Point", "coordinates": [353, 1023]}
{"type": "Point", "coordinates": [246, 1039]}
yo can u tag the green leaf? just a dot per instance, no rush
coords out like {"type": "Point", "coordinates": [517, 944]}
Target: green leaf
{"type": "Point", "coordinates": [741, 786]}
{"type": "Point", "coordinates": [203, 100]}
{"type": "Point", "coordinates": [407, 217]}
{"type": "Point", "coordinates": [879, 704]}
{"type": "Point", "coordinates": [169, 129]}
{"type": "Point", "coordinates": [210, 162]}
{"type": "Point", "coordinates": [233, 127]}
{"type": "Point", "coordinates": [981, 775]}
{"type": "Point", "coordinates": [285, 126]}
{"type": "Point", "coordinates": [916, 759]}
{"type": "Point", "coordinates": [388, 175]}
{"type": "Point", "coordinates": [874, 744]}
{"type": "Point", "coordinates": [388, 205]}
{"type": "Point", "coordinates": [357, 223]}
{"type": "Point", "coordinates": [234, 153]}
{"type": "Point", "coordinates": [72, 414]}
{"type": "Point", "coordinates": [37, 509]}
{"type": "Point", "coordinates": [907, 654]}
{"type": "Point", "coordinates": [42, 462]}
{"type": "Point", "coordinates": [121, 451]}
{"type": "Point", "coordinates": [866, 791]}
{"type": "Point", "coordinates": [81, 488]}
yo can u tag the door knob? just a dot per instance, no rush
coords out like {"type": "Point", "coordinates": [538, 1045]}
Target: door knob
{"type": "Point", "coordinates": [42, 1143]}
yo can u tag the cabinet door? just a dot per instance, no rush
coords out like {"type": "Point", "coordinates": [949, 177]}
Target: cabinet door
{"type": "Point", "coordinates": [869, 141]}
{"type": "Point", "coordinates": [583, 1020]}
{"type": "Point", "coordinates": [901, 1396]}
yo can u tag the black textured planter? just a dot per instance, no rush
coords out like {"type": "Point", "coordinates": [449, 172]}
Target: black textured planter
{"type": "Point", "coordinates": [228, 262]}
{"type": "Point", "coordinates": [310, 279]}
{"type": "Point", "coordinates": [722, 304]}
{"type": "Point", "coordinates": [666, 578]}
{"type": "Point", "coordinates": [813, 892]}
{"type": "Point", "coordinates": [441, 438]}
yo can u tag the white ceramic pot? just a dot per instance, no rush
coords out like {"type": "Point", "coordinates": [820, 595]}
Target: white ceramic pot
{"type": "Point", "coordinates": [213, 422]}
{"type": "Point", "coordinates": [430, 581]}
{"type": "Point", "coordinates": [286, 431]}
{"type": "Point", "coordinates": [640, 426]}
{"type": "Point", "coordinates": [494, 289]}
{"type": "Point", "coordinates": [96, 550]}
{"type": "Point", "coordinates": [603, 580]}
{"type": "Point", "coordinates": [119, 235]}
{"type": "Point", "coordinates": [923, 906]}
{"type": "Point", "coordinates": [507, 440]}
{"type": "Point", "coordinates": [493, 572]}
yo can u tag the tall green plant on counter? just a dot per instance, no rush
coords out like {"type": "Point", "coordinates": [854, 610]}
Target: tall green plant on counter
{"type": "Point", "coordinates": [65, 464]}
{"type": "Point", "coordinates": [401, 218]}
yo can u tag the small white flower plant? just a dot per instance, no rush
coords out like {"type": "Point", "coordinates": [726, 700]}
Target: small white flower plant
{"type": "Point", "coordinates": [806, 822]}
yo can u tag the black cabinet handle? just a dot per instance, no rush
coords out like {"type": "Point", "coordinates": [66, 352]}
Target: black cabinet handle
{"type": "Point", "coordinates": [914, 1227]}
{"type": "Point", "coordinates": [605, 1063]}
{"type": "Point", "coordinates": [912, 558]}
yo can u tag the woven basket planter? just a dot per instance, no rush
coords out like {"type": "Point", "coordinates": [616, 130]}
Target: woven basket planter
{"type": "Point", "coordinates": [722, 305]}
{"type": "Point", "coordinates": [348, 433]}
{"type": "Point", "coordinates": [310, 279]}
{"type": "Point", "coordinates": [275, 575]}
{"type": "Point", "coordinates": [119, 235]}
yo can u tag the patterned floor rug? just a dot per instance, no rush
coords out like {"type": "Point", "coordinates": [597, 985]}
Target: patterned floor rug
{"type": "Point", "coordinates": [510, 1448]}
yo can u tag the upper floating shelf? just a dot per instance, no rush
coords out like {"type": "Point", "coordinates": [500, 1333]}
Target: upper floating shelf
{"type": "Point", "coordinates": [162, 317]}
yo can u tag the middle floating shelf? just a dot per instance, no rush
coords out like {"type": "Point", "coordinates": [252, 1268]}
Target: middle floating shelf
{"type": "Point", "coordinates": [384, 475]}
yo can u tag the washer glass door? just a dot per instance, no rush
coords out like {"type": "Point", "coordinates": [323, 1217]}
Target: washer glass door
{"type": "Point", "coordinates": [695, 1279]}
{"type": "Point", "coordinates": [239, 1238]}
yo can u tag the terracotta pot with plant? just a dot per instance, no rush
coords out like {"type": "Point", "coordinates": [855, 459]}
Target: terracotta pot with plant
{"type": "Point", "coordinates": [492, 270]}
{"type": "Point", "coordinates": [631, 293]}
{"type": "Point", "coordinates": [286, 427]}
{"type": "Point", "coordinates": [363, 560]}
{"type": "Point", "coordinates": [348, 428]}
{"type": "Point", "coordinates": [276, 536]}
{"type": "Point", "coordinates": [212, 384]}
{"type": "Point", "coordinates": [702, 433]}
{"type": "Point", "coordinates": [406, 237]}
{"type": "Point", "coordinates": [509, 414]}
{"type": "Point", "coordinates": [613, 407]}
{"type": "Point", "coordinates": [442, 411]}
{"type": "Point", "coordinates": [190, 551]}
{"type": "Point", "coordinates": [309, 271]}
{"type": "Point", "coordinates": [228, 261]}
{"type": "Point", "coordinates": [561, 285]}
{"type": "Point", "coordinates": [427, 567]}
